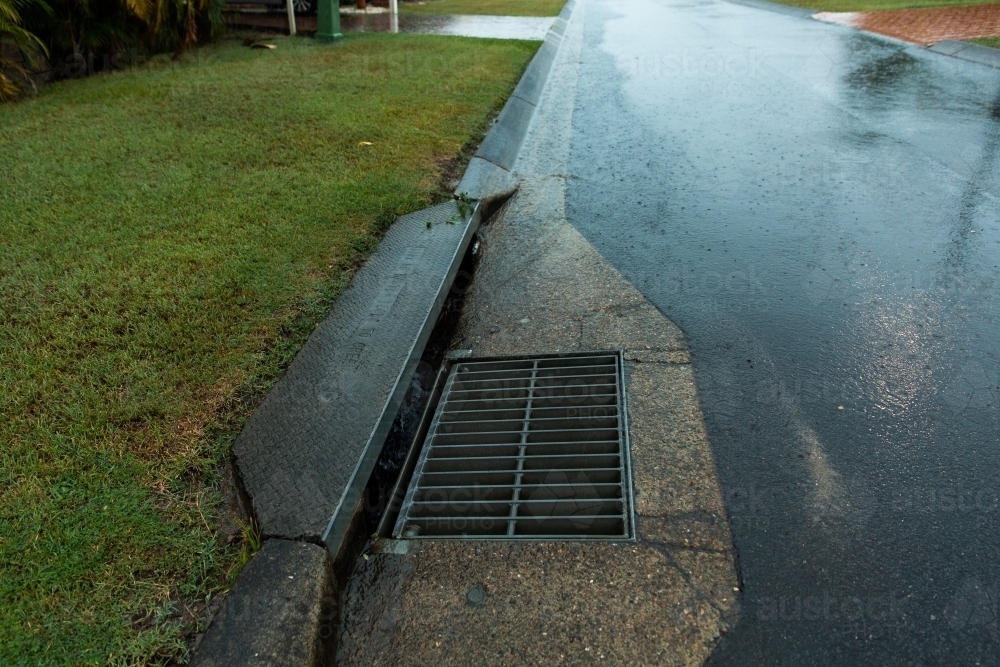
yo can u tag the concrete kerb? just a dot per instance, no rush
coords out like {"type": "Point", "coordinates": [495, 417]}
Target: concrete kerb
{"type": "Point", "coordinates": [976, 53]}
{"type": "Point", "coordinates": [278, 617]}
{"type": "Point", "coordinates": [299, 454]}
{"type": "Point", "coordinates": [489, 173]}
{"type": "Point", "coordinates": [308, 450]}
{"type": "Point", "coordinates": [281, 612]}
{"type": "Point", "coordinates": [949, 47]}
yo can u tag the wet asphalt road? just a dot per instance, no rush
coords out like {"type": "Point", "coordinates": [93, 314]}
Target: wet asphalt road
{"type": "Point", "coordinates": [817, 208]}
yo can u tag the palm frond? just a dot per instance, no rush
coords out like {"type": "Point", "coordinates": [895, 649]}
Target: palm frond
{"type": "Point", "coordinates": [19, 52]}
{"type": "Point", "coordinates": [8, 13]}
{"type": "Point", "coordinates": [144, 10]}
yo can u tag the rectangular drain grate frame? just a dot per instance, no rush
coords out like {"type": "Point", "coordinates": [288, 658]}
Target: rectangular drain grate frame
{"type": "Point", "coordinates": [526, 448]}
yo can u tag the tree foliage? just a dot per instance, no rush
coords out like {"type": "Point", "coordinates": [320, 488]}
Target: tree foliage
{"type": "Point", "coordinates": [20, 50]}
{"type": "Point", "coordinates": [72, 33]}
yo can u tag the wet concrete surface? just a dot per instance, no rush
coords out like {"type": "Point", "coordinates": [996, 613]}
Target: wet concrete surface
{"type": "Point", "coordinates": [663, 599]}
{"type": "Point", "coordinates": [817, 209]}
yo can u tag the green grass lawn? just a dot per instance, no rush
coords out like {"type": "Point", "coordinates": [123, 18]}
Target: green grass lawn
{"type": "Point", "coordinates": [877, 5]}
{"type": "Point", "coordinates": [169, 236]}
{"type": "Point", "coordinates": [993, 42]}
{"type": "Point", "coordinates": [485, 7]}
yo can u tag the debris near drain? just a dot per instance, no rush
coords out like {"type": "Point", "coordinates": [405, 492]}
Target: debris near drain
{"type": "Point", "coordinates": [476, 595]}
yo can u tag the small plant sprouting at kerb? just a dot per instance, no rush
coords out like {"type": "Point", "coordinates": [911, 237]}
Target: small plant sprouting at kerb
{"type": "Point", "coordinates": [251, 535]}
{"type": "Point", "coordinates": [465, 204]}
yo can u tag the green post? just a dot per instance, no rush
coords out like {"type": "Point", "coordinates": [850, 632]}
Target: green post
{"type": "Point", "coordinates": [328, 20]}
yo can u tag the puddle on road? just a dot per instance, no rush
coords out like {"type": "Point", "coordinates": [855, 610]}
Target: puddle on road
{"type": "Point", "coordinates": [496, 27]}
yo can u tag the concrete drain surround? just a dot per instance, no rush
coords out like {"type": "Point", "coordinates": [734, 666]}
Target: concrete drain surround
{"type": "Point", "coordinates": [525, 448]}
{"type": "Point", "coordinates": [308, 451]}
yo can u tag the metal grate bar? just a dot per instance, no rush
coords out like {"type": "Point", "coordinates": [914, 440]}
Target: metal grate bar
{"type": "Point", "coordinates": [533, 431]}
{"type": "Point", "coordinates": [526, 425]}
{"type": "Point", "coordinates": [482, 487]}
{"type": "Point", "coordinates": [529, 448]}
{"type": "Point", "coordinates": [530, 444]}
{"type": "Point", "coordinates": [519, 456]}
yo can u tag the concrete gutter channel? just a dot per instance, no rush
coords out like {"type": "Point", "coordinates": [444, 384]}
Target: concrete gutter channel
{"type": "Point", "coordinates": [976, 53]}
{"type": "Point", "coordinates": [664, 598]}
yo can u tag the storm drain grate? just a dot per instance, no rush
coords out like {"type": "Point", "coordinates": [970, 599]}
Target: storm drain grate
{"type": "Point", "coordinates": [526, 448]}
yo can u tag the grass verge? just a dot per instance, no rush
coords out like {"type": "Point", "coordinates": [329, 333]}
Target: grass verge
{"type": "Point", "coordinates": [169, 236]}
{"type": "Point", "coordinates": [877, 5]}
{"type": "Point", "coordinates": [485, 7]}
{"type": "Point", "coordinates": [992, 42]}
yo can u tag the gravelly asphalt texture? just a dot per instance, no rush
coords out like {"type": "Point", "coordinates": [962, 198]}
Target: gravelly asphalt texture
{"type": "Point", "coordinates": [817, 209]}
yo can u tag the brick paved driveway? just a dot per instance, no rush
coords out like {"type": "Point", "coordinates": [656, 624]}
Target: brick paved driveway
{"type": "Point", "coordinates": [924, 26]}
